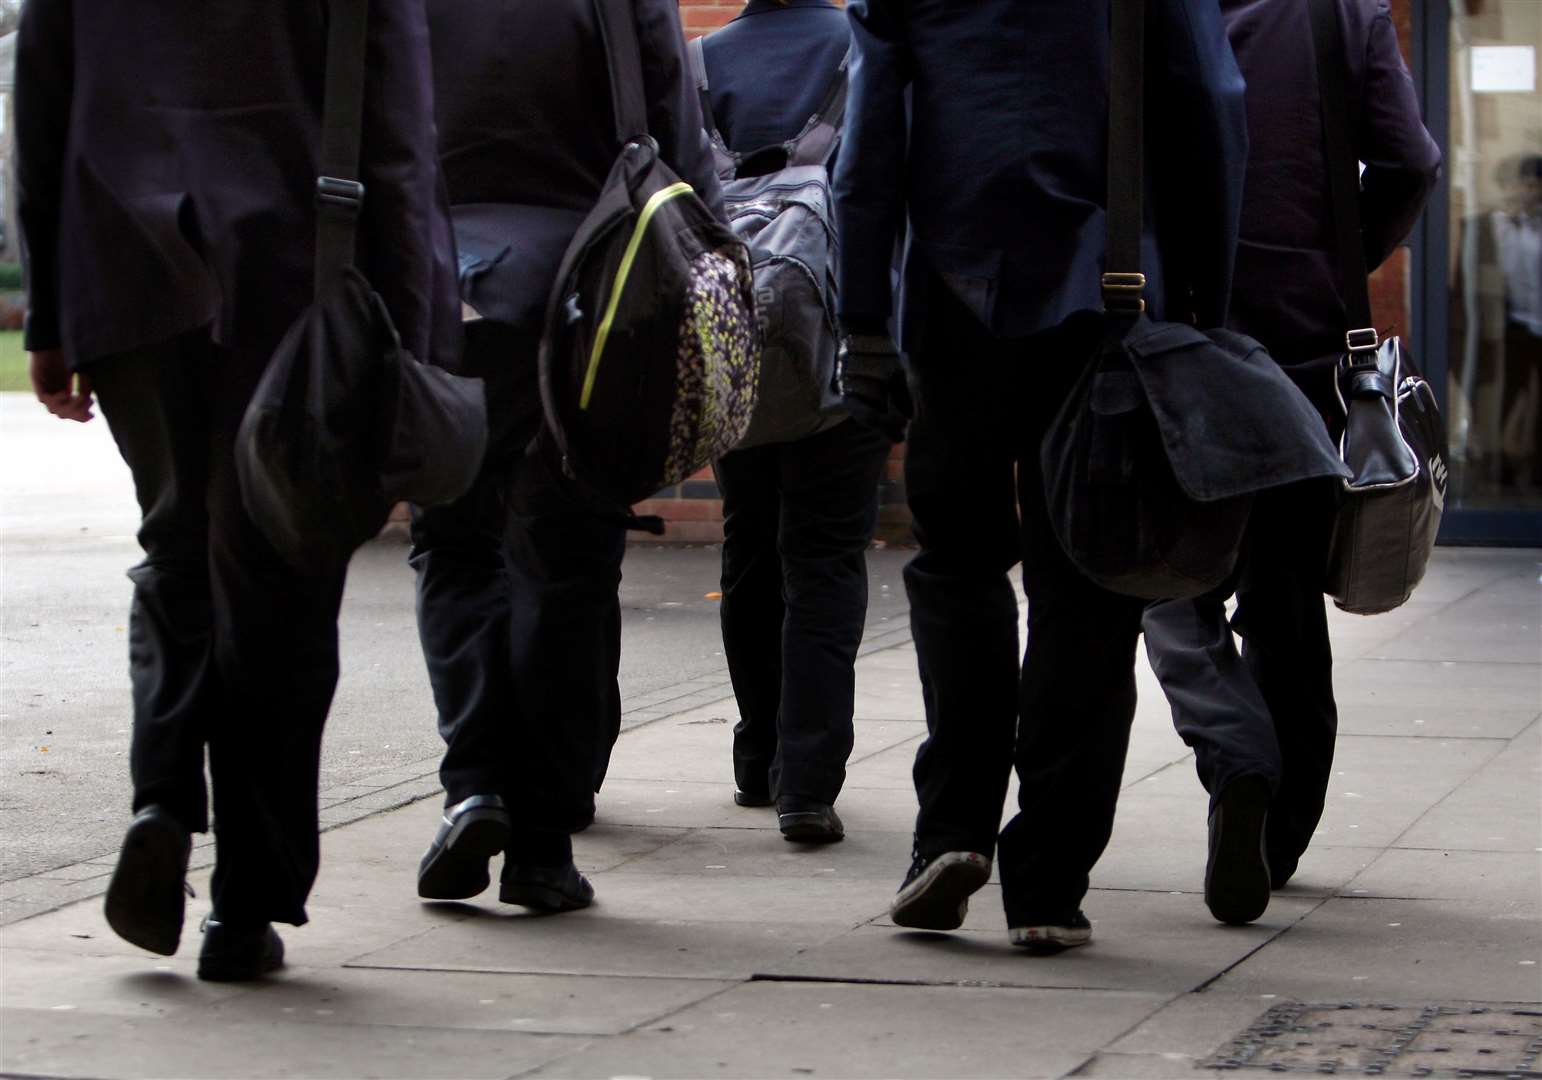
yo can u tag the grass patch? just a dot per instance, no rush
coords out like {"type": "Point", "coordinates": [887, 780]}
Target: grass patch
{"type": "Point", "coordinates": [13, 362]}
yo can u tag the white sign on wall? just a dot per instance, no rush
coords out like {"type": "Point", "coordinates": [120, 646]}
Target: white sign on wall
{"type": "Point", "coordinates": [1504, 69]}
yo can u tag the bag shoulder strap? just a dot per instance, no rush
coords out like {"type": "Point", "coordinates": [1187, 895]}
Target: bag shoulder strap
{"type": "Point", "coordinates": [1123, 281]}
{"type": "Point", "coordinates": [725, 160]}
{"type": "Point", "coordinates": [623, 58]}
{"type": "Point", "coordinates": [339, 194]}
{"type": "Point", "coordinates": [814, 144]}
{"type": "Point", "coordinates": [1332, 60]}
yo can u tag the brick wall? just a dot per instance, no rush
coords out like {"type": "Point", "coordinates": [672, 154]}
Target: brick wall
{"type": "Point", "coordinates": [694, 510]}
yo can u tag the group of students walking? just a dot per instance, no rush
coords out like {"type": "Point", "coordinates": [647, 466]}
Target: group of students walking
{"type": "Point", "coordinates": [166, 162]}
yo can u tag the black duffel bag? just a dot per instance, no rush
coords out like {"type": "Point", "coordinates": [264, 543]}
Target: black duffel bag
{"type": "Point", "coordinates": [345, 422]}
{"type": "Point", "coordinates": [1152, 462]}
{"type": "Point", "coordinates": [1394, 441]}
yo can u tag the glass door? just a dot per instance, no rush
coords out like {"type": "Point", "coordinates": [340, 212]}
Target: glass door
{"type": "Point", "coordinates": [1482, 254]}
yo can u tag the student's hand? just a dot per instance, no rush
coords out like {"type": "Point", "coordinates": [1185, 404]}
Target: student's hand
{"type": "Point", "coordinates": [64, 393]}
{"type": "Point", "coordinates": [871, 381]}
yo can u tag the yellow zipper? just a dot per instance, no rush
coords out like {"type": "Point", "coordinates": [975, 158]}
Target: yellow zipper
{"type": "Point", "coordinates": [651, 207]}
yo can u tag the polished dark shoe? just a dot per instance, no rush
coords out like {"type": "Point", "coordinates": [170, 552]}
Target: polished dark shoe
{"type": "Point", "coordinates": [1045, 937]}
{"type": "Point", "coordinates": [548, 889]}
{"type": "Point", "coordinates": [470, 833]}
{"type": "Point", "coordinates": [804, 821]}
{"type": "Point", "coordinates": [1237, 879]}
{"type": "Point", "coordinates": [148, 893]}
{"type": "Point", "coordinates": [239, 953]}
{"type": "Point", "coordinates": [935, 894]}
{"type": "Point", "coordinates": [743, 797]}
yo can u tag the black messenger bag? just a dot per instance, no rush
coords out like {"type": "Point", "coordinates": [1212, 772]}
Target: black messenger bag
{"type": "Point", "coordinates": [1151, 465]}
{"type": "Point", "coordinates": [345, 422]}
{"type": "Point", "coordinates": [1394, 441]}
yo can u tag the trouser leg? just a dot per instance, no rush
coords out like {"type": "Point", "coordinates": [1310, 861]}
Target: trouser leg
{"type": "Point", "coordinates": [963, 609]}
{"type": "Point", "coordinates": [829, 485]}
{"type": "Point", "coordinates": [752, 611]}
{"type": "Point", "coordinates": [156, 402]}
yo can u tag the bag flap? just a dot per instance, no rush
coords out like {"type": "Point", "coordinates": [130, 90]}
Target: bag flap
{"type": "Point", "coordinates": [1373, 446]}
{"type": "Point", "coordinates": [1230, 418]}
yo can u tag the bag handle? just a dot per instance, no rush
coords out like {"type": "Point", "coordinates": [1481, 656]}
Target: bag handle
{"type": "Point", "coordinates": [1124, 284]}
{"type": "Point", "coordinates": [623, 59]}
{"type": "Point", "coordinates": [1332, 60]}
{"type": "Point", "coordinates": [339, 192]}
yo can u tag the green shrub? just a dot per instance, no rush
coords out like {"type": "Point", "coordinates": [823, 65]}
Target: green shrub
{"type": "Point", "coordinates": [10, 276]}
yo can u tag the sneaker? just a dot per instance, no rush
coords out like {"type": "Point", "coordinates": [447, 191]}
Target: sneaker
{"type": "Point", "coordinates": [1052, 936]}
{"type": "Point", "coordinates": [935, 893]}
{"type": "Point", "coordinates": [1237, 880]}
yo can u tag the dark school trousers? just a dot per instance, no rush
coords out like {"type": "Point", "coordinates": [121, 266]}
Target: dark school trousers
{"type": "Point", "coordinates": [229, 648]}
{"type": "Point", "coordinates": [797, 521]}
{"type": "Point", "coordinates": [1268, 710]}
{"type": "Point", "coordinates": [518, 615]}
{"type": "Point", "coordinates": [1063, 717]}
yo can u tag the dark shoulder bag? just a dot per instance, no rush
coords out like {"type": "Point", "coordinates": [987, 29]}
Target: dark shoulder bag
{"type": "Point", "coordinates": [650, 357]}
{"type": "Point", "coordinates": [345, 422]}
{"type": "Point", "coordinates": [1393, 442]}
{"type": "Point", "coordinates": [1151, 465]}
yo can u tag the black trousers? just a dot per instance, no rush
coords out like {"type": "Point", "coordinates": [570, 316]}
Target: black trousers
{"type": "Point", "coordinates": [228, 647]}
{"type": "Point", "coordinates": [1268, 710]}
{"type": "Point", "coordinates": [1062, 718]}
{"type": "Point", "coordinates": [519, 617]}
{"type": "Point", "coordinates": [797, 521]}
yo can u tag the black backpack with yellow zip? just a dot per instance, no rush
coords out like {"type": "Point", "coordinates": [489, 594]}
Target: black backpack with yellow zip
{"type": "Point", "coordinates": [650, 358]}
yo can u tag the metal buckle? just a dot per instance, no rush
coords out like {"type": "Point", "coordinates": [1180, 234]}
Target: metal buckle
{"type": "Point", "coordinates": [1365, 340]}
{"type": "Point", "coordinates": [344, 194]}
{"type": "Point", "coordinates": [1122, 293]}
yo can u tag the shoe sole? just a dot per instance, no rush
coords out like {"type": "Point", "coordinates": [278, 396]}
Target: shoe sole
{"type": "Point", "coordinates": [145, 902]}
{"type": "Point", "coordinates": [939, 898]}
{"type": "Point", "coordinates": [745, 798]}
{"type": "Point", "coordinates": [808, 829]}
{"type": "Point", "coordinates": [458, 870]}
{"type": "Point", "coordinates": [228, 971]}
{"type": "Point", "coordinates": [543, 898]}
{"type": "Point", "coordinates": [1237, 880]}
{"type": "Point", "coordinates": [1049, 940]}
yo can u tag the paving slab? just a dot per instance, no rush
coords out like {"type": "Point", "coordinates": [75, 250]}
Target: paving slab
{"type": "Point", "coordinates": [1510, 877]}
{"type": "Point", "coordinates": [1366, 949]}
{"type": "Point", "coordinates": [764, 854]}
{"type": "Point", "coordinates": [1444, 684]}
{"type": "Point", "coordinates": [869, 1031]}
{"type": "Point", "coordinates": [1495, 810]}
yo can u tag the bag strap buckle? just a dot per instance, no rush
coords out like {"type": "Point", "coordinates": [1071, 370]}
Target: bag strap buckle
{"type": "Point", "coordinates": [1366, 340]}
{"type": "Point", "coordinates": [346, 195]}
{"type": "Point", "coordinates": [1122, 293]}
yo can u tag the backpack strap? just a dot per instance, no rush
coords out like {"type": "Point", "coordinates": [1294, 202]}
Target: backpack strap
{"type": "Point", "coordinates": [1343, 167]}
{"type": "Point", "coordinates": [816, 143]}
{"type": "Point", "coordinates": [623, 59]}
{"type": "Point", "coordinates": [726, 161]}
{"type": "Point", "coordinates": [1123, 281]}
{"type": "Point", "coordinates": [339, 194]}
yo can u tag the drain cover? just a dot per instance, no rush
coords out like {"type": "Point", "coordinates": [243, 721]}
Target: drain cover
{"type": "Point", "coordinates": [1401, 1040]}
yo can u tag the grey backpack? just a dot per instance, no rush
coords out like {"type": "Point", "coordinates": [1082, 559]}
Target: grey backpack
{"type": "Point", "coordinates": [784, 213]}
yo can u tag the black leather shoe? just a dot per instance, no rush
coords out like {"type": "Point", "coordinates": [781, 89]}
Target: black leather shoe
{"type": "Point", "coordinates": [455, 865]}
{"type": "Point", "coordinates": [804, 821]}
{"type": "Point", "coordinates": [238, 953]}
{"type": "Point", "coordinates": [549, 889]}
{"type": "Point", "coordinates": [146, 898]}
{"type": "Point", "coordinates": [743, 797]}
{"type": "Point", "coordinates": [1237, 872]}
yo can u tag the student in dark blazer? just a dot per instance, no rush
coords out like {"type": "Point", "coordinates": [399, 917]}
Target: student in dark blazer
{"type": "Point", "coordinates": [517, 607]}
{"type": "Point", "coordinates": [985, 126]}
{"type": "Point", "coordinates": [167, 158]}
{"type": "Point", "coordinates": [799, 515]}
{"type": "Point", "coordinates": [1262, 724]}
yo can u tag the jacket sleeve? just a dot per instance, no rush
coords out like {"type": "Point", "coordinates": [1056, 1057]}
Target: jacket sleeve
{"type": "Point", "coordinates": [674, 106]}
{"type": "Point", "coordinates": [1402, 162]}
{"type": "Point", "coordinates": [870, 174]}
{"type": "Point", "coordinates": [43, 86]}
{"type": "Point", "coordinates": [1197, 147]}
{"type": "Point", "coordinates": [406, 247]}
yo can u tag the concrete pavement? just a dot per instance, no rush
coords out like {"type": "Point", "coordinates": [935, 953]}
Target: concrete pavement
{"type": "Point", "coordinates": [1408, 943]}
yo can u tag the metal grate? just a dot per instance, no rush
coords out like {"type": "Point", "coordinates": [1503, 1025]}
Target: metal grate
{"type": "Point", "coordinates": [1400, 1040]}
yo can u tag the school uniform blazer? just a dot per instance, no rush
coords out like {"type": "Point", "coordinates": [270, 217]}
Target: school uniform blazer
{"type": "Point", "coordinates": [771, 68]}
{"type": "Point", "coordinates": [1288, 290]}
{"type": "Point", "coordinates": [527, 136]}
{"type": "Point", "coordinates": [1001, 168]}
{"type": "Point", "coordinates": [167, 162]}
